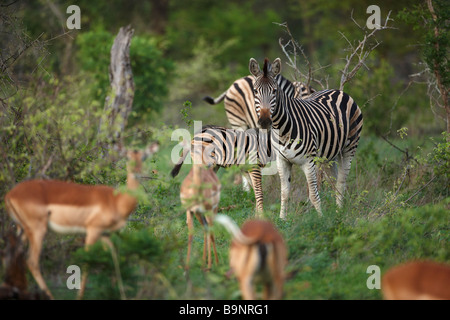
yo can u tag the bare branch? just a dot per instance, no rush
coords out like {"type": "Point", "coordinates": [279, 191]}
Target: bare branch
{"type": "Point", "coordinates": [8, 4]}
{"type": "Point", "coordinates": [292, 58]}
{"type": "Point", "coordinates": [361, 52]}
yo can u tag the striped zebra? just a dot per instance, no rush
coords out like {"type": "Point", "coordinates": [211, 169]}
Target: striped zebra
{"type": "Point", "coordinates": [222, 147]}
{"type": "Point", "coordinates": [239, 100]}
{"type": "Point", "coordinates": [327, 125]}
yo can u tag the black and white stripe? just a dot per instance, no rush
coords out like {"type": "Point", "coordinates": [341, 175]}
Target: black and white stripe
{"type": "Point", "coordinates": [326, 125]}
{"type": "Point", "coordinates": [239, 100]}
{"type": "Point", "coordinates": [223, 147]}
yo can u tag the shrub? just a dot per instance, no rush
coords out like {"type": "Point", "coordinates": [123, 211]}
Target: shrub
{"type": "Point", "coordinates": [151, 70]}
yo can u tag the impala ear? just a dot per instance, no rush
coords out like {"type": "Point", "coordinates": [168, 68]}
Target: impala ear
{"type": "Point", "coordinates": [276, 67]}
{"type": "Point", "coordinates": [254, 67]}
{"type": "Point", "coordinates": [152, 149]}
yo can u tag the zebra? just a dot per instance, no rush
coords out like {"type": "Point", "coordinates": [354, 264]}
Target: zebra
{"type": "Point", "coordinates": [327, 125]}
{"type": "Point", "coordinates": [239, 100]}
{"type": "Point", "coordinates": [222, 147]}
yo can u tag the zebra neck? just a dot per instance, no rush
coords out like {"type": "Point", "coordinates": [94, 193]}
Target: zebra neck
{"type": "Point", "coordinates": [282, 116]}
{"type": "Point", "coordinates": [288, 122]}
{"type": "Point", "coordinates": [285, 85]}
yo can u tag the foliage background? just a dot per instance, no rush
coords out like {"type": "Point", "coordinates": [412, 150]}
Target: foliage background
{"type": "Point", "coordinates": [52, 96]}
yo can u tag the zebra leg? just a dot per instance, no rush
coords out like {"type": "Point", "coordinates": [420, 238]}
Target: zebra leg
{"type": "Point", "coordinates": [344, 164]}
{"type": "Point", "coordinates": [255, 178]}
{"type": "Point", "coordinates": [284, 170]}
{"type": "Point", "coordinates": [310, 171]}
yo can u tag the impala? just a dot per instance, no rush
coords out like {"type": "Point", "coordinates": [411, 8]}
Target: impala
{"type": "Point", "coordinates": [200, 194]}
{"type": "Point", "coordinates": [417, 280]}
{"type": "Point", "coordinates": [257, 254]}
{"type": "Point", "coordinates": [68, 207]}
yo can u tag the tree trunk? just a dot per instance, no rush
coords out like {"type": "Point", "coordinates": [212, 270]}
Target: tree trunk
{"type": "Point", "coordinates": [119, 101]}
{"type": "Point", "coordinates": [442, 88]}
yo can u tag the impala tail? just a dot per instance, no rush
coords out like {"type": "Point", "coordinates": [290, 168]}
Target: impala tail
{"type": "Point", "coordinates": [176, 169]}
{"type": "Point", "coordinates": [233, 229]}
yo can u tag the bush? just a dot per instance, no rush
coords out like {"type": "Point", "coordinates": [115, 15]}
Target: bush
{"type": "Point", "coordinates": [50, 130]}
{"type": "Point", "coordinates": [138, 253]}
{"type": "Point", "coordinates": [151, 71]}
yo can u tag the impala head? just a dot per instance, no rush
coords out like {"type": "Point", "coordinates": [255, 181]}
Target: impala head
{"type": "Point", "coordinates": [265, 88]}
{"type": "Point", "coordinates": [136, 157]}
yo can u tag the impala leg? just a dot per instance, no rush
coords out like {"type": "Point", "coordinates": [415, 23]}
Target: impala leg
{"type": "Point", "coordinates": [35, 239]}
{"type": "Point", "coordinates": [277, 283]}
{"type": "Point", "coordinates": [285, 171]}
{"type": "Point", "coordinates": [190, 224]}
{"type": "Point", "coordinates": [267, 290]}
{"type": "Point", "coordinates": [208, 245]}
{"type": "Point", "coordinates": [214, 248]}
{"type": "Point", "coordinates": [206, 242]}
{"type": "Point", "coordinates": [247, 286]}
{"type": "Point", "coordinates": [212, 240]}
{"type": "Point", "coordinates": [92, 235]}
{"type": "Point", "coordinates": [107, 241]}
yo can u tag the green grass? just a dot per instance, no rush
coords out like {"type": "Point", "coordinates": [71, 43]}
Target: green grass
{"type": "Point", "coordinates": [328, 256]}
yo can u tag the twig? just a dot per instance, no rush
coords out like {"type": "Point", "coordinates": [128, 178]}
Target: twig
{"type": "Point", "coordinates": [423, 187]}
{"type": "Point", "coordinates": [293, 61]}
{"type": "Point", "coordinates": [361, 52]}
{"type": "Point", "coordinates": [407, 155]}
{"type": "Point", "coordinates": [9, 4]}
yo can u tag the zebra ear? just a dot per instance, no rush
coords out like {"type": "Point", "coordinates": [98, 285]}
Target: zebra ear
{"type": "Point", "coordinates": [276, 66]}
{"type": "Point", "coordinates": [254, 67]}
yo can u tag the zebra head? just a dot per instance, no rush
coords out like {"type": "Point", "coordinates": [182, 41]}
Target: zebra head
{"type": "Point", "coordinates": [265, 88]}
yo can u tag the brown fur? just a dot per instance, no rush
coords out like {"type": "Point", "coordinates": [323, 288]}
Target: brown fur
{"type": "Point", "coordinates": [418, 280]}
{"type": "Point", "coordinates": [200, 193]}
{"type": "Point", "coordinates": [35, 204]}
{"type": "Point", "coordinates": [259, 257]}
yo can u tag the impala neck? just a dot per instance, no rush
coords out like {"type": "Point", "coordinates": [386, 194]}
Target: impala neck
{"type": "Point", "coordinates": [128, 202]}
{"type": "Point", "coordinates": [132, 181]}
{"type": "Point", "coordinates": [134, 169]}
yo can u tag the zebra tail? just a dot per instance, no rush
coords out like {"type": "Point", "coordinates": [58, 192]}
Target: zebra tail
{"type": "Point", "coordinates": [211, 100]}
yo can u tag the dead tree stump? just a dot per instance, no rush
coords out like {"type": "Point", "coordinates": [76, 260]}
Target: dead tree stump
{"type": "Point", "coordinates": [119, 101]}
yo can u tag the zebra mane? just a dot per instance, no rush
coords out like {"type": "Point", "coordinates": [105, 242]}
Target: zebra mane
{"type": "Point", "coordinates": [266, 67]}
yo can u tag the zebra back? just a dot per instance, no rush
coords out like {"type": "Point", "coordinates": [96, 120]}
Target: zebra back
{"type": "Point", "coordinates": [215, 145]}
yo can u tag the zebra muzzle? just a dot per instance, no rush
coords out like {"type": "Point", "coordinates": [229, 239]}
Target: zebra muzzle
{"type": "Point", "coordinates": [265, 121]}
